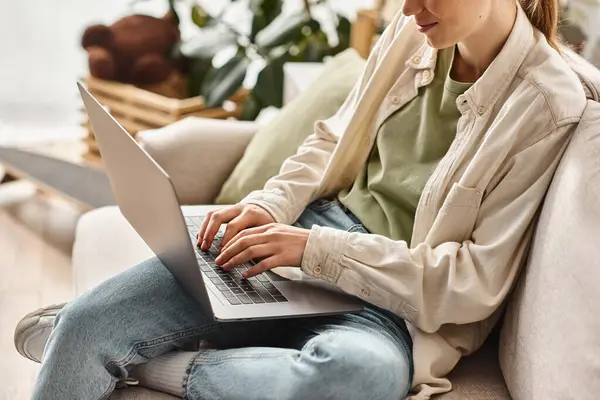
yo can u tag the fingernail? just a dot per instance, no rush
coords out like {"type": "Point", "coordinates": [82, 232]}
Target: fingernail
{"type": "Point", "coordinates": [203, 244]}
{"type": "Point", "coordinates": [218, 260]}
{"type": "Point", "coordinates": [244, 275]}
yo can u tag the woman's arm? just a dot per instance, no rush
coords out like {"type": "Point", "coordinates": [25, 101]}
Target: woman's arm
{"type": "Point", "coordinates": [454, 282]}
{"type": "Point", "coordinates": [286, 195]}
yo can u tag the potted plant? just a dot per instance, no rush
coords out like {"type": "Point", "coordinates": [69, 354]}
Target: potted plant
{"type": "Point", "coordinates": [274, 39]}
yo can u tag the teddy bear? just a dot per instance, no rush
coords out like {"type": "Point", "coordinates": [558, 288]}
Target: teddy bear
{"type": "Point", "coordinates": [136, 49]}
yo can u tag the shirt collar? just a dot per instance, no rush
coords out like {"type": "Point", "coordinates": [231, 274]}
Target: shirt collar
{"type": "Point", "coordinates": [424, 58]}
{"type": "Point", "coordinates": [485, 92]}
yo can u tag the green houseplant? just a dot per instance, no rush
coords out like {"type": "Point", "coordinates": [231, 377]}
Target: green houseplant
{"type": "Point", "coordinates": [274, 39]}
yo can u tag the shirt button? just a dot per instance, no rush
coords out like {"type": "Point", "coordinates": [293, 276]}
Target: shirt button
{"type": "Point", "coordinates": [480, 110]}
{"type": "Point", "coordinates": [395, 100]}
{"type": "Point", "coordinates": [318, 270]}
{"type": "Point", "coordinates": [426, 75]}
{"type": "Point", "coordinates": [365, 292]}
{"type": "Point", "coordinates": [417, 59]}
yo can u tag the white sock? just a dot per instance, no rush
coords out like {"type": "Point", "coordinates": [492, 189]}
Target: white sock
{"type": "Point", "coordinates": [165, 373]}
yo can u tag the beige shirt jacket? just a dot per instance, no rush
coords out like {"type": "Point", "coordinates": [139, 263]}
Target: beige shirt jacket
{"type": "Point", "coordinates": [476, 215]}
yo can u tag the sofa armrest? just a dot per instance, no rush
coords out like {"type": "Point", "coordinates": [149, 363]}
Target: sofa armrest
{"type": "Point", "coordinates": [199, 154]}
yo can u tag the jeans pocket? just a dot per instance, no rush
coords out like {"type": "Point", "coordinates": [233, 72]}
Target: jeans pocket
{"type": "Point", "coordinates": [323, 204]}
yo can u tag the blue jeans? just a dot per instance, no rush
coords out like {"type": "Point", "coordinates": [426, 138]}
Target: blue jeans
{"type": "Point", "coordinates": [143, 312]}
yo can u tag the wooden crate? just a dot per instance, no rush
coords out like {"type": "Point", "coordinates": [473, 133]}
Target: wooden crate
{"type": "Point", "coordinates": [367, 27]}
{"type": "Point", "coordinates": [138, 109]}
{"type": "Point", "coordinates": [363, 32]}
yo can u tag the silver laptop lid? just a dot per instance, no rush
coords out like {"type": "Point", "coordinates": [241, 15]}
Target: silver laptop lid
{"type": "Point", "coordinates": [147, 199]}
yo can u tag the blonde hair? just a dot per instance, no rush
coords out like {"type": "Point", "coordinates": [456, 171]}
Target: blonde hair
{"type": "Point", "coordinates": [543, 14]}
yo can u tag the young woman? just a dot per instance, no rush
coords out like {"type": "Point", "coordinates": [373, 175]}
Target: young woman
{"type": "Point", "coordinates": [418, 196]}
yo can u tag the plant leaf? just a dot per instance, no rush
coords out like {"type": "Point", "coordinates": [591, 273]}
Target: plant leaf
{"type": "Point", "coordinates": [251, 108]}
{"type": "Point", "coordinates": [269, 83]}
{"type": "Point", "coordinates": [208, 43]}
{"type": "Point", "coordinates": [344, 28]}
{"type": "Point", "coordinates": [174, 11]}
{"type": "Point", "coordinates": [223, 82]}
{"type": "Point", "coordinates": [264, 11]}
{"type": "Point", "coordinates": [198, 70]}
{"type": "Point", "coordinates": [283, 29]}
{"type": "Point", "coordinates": [200, 17]}
{"type": "Point", "coordinates": [314, 46]}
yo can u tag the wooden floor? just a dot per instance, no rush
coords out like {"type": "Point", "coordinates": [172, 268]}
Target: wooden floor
{"type": "Point", "coordinates": [36, 235]}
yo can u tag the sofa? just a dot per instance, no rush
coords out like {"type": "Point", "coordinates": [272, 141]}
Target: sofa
{"type": "Point", "coordinates": [546, 347]}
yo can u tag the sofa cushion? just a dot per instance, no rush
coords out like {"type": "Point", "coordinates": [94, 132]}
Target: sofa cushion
{"type": "Point", "coordinates": [478, 376]}
{"type": "Point", "coordinates": [140, 393]}
{"type": "Point", "coordinates": [550, 346]}
{"type": "Point", "coordinates": [280, 138]}
{"type": "Point", "coordinates": [199, 154]}
{"type": "Point", "coordinates": [106, 245]}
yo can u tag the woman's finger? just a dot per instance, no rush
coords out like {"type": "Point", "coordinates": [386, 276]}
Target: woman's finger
{"type": "Point", "coordinates": [233, 228]}
{"type": "Point", "coordinates": [217, 218]}
{"type": "Point", "coordinates": [249, 231]}
{"type": "Point", "coordinates": [265, 265]}
{"type": "Point", "coordinates": [205, 222]}
{"type": "Point", "coordinates": [239, 246]}
{"type": "Point", "coordinates": [250, 253]}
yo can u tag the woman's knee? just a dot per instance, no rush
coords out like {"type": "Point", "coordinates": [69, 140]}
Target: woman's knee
{"type": "Point", "coordinates": [107, 309]}
{"type": "Point", "coordinates": [76, 321]}
{"type": "Point", "coordinates": [360, 365]}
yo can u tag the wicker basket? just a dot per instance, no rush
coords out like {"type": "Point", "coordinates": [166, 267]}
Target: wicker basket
{"type": "Point", "coordinates": [139, 109]}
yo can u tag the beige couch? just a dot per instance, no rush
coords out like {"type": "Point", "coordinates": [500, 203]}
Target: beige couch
{"type": "Point", "coordinates": [549, 346]}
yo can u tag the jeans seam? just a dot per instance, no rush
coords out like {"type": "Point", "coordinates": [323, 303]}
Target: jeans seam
{"type": "Point", "coordinates": [169, 338]}
{"type": "Point", "coordinates": [211, 360]}
{"type": "Point", "coordinates": [188, 373]}
{"type": "Point", "coordinates": [215, 360]}
{"type": "Point", "coordinates": [146, 344]}
{"type": "Point", "coordinates": [108, 391]}
{"type": "Point", "coordinates": [357, 228]}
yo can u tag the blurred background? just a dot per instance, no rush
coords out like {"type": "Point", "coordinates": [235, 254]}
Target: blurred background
{"type": "Point", "coordinates": [41, 43]}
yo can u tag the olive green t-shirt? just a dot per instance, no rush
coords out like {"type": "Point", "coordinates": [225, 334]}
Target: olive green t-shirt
{"type": "Point", "coordinates": [408, 147]}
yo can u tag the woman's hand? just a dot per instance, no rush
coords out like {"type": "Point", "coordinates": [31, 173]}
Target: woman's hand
{"type": "Point", "coordinates": [276, 245]}
{"type": "Point", "coordinates": [237, 218]}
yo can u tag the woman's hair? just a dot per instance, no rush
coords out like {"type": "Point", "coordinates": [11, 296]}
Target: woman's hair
{"type": "Point", "coordinates": [543, 14]}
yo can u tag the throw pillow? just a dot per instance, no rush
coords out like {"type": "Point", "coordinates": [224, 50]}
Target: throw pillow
{"type": "Point", "coordinates": [280, 139]}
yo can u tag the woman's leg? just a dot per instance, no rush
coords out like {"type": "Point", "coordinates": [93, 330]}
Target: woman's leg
{"type": "Point", "coordinates": [127, 320]}
{"type": "Point", "coordinates": [143, 313]}
{"type": "Point", "coordinates": [367, 355]}
{"type": "Point", "coordinates": [353, 356]}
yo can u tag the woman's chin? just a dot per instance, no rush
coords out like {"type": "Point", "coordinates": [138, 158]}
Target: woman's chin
{"type": "Point", "coordinates": [437, 42]}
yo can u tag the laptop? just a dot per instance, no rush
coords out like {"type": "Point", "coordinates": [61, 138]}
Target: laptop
{"type": "Point", "coordinates": [147, 199]}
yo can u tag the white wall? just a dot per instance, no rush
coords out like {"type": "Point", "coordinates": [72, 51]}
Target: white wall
{"type": "Point", "coordinates": [39, 41]}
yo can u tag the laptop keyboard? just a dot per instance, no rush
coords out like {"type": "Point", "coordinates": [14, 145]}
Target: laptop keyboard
{"type": "Point", "coordinates": [237, 290]}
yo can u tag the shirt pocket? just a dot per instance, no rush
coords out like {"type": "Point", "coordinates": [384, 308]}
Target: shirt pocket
{"type": "Point", "coordinates": [456, 218]}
